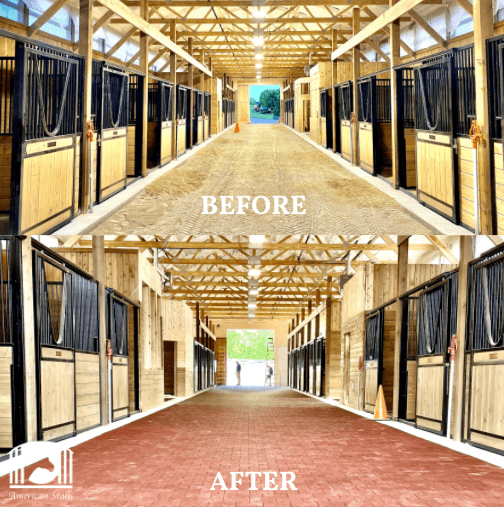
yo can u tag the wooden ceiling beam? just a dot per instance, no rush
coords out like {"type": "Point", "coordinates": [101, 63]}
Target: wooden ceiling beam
{"type": "Point", "coordinates": [273, 4]}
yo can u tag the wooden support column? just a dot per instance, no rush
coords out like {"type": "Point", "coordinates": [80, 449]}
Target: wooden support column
{"type": "Point", "coordinates": [30, 376]}
{"type": "Point", "coordinates": [334, 81]}
{"type": "Point", "coordinates": [100, 275]}
{"type": "Point", "coordinates": [198, 323]}
{"type": "Point", "coordinates": [303, 334]}
{"type": "Point", "coordinates": [190, 83]}
{"type": "Point", "coordinates": [86, 50]}
{"type": "Point", "coordinates": [395, 57]}
{"type": "Point", "coordinates": [328, 343]}
{"type": "Point", "coordinates": [466, 255]}
{"type": "Point", "coordinates": [402, 286]}
{"type": "Point", "coordinates": [144, 67]}
{"type": "Point", "coordinates": [173, 79]}
{"type": "Point", "coordinates": [356, 74]}
{"type": "Point", "coordinates": [483, 29]}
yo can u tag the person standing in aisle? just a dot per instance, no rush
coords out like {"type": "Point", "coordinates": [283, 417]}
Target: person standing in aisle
{"type": "Point", "coordinates": [238, 373]}
{"type": "Point", "coordinates": [269, 375]}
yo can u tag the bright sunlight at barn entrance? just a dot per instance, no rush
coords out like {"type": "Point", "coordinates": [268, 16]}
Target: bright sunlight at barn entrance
{"type": "Point", "coordinates": [264, 103]}
{"type": "Point", "coordinates": [253, 350]}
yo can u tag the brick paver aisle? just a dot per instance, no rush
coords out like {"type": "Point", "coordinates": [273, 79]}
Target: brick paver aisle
{"type": "Point", "coordinates": [340, 459]}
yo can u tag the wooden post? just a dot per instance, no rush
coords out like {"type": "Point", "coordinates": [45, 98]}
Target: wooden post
{"type": "Point", "coordinates": [86, 50]}
{"type": "Point", "coordinates": [144, 67]}
{"type": "Point", "coordinates": [198, 325]}
{"type": "Point", "coordinates": [483, 29]}
{"type": "Point", "coordinates": [333, 91]}
{"type": "Point", "coordinates": [395, 58]}
{"type": "Point", "coordinates": [173, 79]}
{"type": "Point", "coordinates": [356, 74]}
{"type": "Point", "coordinates": [327, 365]}
{"type": "Point", "coordinates": [29, 341]}
{"type": "Point", "coordinates": [190, 83]}
{"type": "Point", "coordinates": [466, 255]}
{"type": "Point", "coordinates": [402, 286]}
{"type": "Point", "coordinates": [303, 316]}
{"type": "Point", "coordinates": [100, 275]}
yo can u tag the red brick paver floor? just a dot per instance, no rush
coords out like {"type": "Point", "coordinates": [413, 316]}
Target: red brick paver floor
{"type": "Point", "coordinates": [172, 457]}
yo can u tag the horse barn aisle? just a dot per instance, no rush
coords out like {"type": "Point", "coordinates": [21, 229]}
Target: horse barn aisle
{"type": "Point", "coordinates": [261, 160]}
{"type": "Point", "coordinates": [173, 456]}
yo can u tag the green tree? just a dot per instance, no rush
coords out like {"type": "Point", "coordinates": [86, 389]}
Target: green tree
{"type": "Point", "coordinates": [249, 344]}
{"type": "Point", "coordinates": [253, 102]}
{"type": "Point", "coordinates": [271, 99]}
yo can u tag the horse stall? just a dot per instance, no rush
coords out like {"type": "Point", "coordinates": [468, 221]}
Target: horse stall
{"type": "Point", "coordinates": [190, 118]}
{"type": "Point", "coordinates": [495, 49]}
{"type": "Point", "coordinates": [379, 355]}
{"type": "Point", "coordinates": [436, 324]}
{"type": "Point", "coordinates": [375, 128]}
{"type": "Point", "coordinates": [12, 378]}
{"type": "Point", "coordinates": [182, 118]}
{"type": "Point", "coordinates": [66, 346]}
{"type": "Point", "coordinates": [196, 362]}
{"type": "Point", "coordinates": [326, 121]}
{"type": "Point", "coordinates": [224, 113]}
{"type": "Point", "coordinates": [135, 113]}
{"type": "Point", "coordinates": [406, 134]}
{"type": "Point", "coordinates": [159, 126]}
{"type": "Point", "coordinates": [344, 110]}
{"type": "Point", "coordinates": [484, 405]}
{"type": "Point", "coordinates": [110, 106]}
{"type": "Point", "coordinates": [320, 346]}
{"type": "Point", "coordinates": [312, 366]}
{"type": "Point", "coordinates": [197, 117]}
{"type": "Point", "coordinates": [408, 357]}
{"type": "Point", "coordinates": [207, 111]}
{"type": "Point", "coordinates": [40, 107]}
{"type": "Point", "coordinates": [444, 107]}
{"type": "Point", "coordinates": [122, 331]}
{"type": "Point", "coordinates": [231, 112]}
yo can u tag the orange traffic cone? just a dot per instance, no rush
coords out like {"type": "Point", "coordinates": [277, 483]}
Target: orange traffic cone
{"type": "Point", "coordinates": [380, 413]}
{"type": "Point", "coordinates": [279, 120]}
{"type": "Point", "coordinates": [237, 128]}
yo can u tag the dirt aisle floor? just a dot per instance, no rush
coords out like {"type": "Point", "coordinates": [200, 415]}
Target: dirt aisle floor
{"type": "Point", "coordinates": [262, 160]}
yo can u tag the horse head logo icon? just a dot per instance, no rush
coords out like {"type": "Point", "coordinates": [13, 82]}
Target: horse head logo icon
{"type": "Point", "coordinates": [61, 460]}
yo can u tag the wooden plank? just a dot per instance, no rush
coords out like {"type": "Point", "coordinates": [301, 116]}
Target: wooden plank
{"type": "Point", "coordinates": [355, 76]}
{"type": "Point", "coordinates": [390, 15]}
{"type": "Point", "coordinates": [148, 29]}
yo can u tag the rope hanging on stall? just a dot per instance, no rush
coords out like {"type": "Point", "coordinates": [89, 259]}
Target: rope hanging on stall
{"type": "Point", "coordinates": [424, 101]}
{"type": "Point", "coordinates": [40, 99]}
{"type": "Point", "coordinates": [121, 99]}
{"type": "Point", "coordinates": [368, 101]}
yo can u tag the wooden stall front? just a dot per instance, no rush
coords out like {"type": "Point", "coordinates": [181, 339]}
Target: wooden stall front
{"type": "Point", "coordinates": [134, 140]}
{"type": "Point", "coordinates": [344, 110]}
{"type": "Point", "coordinates": [40, 110]}
{"type": "Point", "coordinates": [379, 355]}
{"type": "Point", "coordinates": [182, 118]}
{"type": "Point", "coordinates": [207, 111]}
{"type": "Point", "coordinates": [197, 117]}
{"type": "Point", "coordinates": [67, 349]}
{"type": "Point", "coordinates": [302, 105]}
{"type": "Point", "coordinates": [437, 323]}
{"type": "Point", "coordinates": [484, 405]}
{"type": "Point", "coordinates": [326, 120]}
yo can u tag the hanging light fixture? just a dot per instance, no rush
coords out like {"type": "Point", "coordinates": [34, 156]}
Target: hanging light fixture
{"type": "Point", "coordinates": [259, 65]}
{"type": "Point", "coordinates": [256, 241]}
{"type": "Point", "coordinates": [259, 14]}
{"type": "Point", "coordinates": [258, 39]}
{"type": "Point", "coordinates": [254, 273]}
{"type": "Point", "coordinates": [259, 56]}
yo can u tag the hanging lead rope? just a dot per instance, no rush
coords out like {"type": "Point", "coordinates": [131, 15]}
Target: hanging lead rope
{"type": "Point", "coordinates": [109, 97]}
{"type": "Point", "coordinates": [487, 316]}
{"type": "Point", "coordinates": [40, 99]}
{"type": "Point", "coordinates": [424, 101]}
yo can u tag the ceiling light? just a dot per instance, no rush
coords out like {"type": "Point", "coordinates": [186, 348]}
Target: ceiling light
{"type": "Point", "coordinates": [259, 56]}
{"type": "Point", "coordinates": [256, 241]}
{"type": "Point", "coordinates": [258, 65]}
{"type": "Point", "coordinates": [258, 41]}
{"type": "Point", "coordinates": [254, 273]}
{"type": "Point", "coordinates": [252, 305]}
{"type": "Point", "coordinates": [253, 292]}
{"type": "Point", "coordinates": [259, 14]}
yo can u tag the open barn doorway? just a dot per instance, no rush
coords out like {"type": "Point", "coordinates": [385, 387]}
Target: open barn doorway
{"type": "Point", "coordinates": [264, 103]}
{"type": "Point", "coordinates": [250, 357]}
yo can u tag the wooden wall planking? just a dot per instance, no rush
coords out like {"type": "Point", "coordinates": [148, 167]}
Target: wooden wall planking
{"type": "Point", "coordinates": [302, 104]}
{"type": "Point", "coordinates": [87, 390]}
{"type": "Point", "coordinates": [499, 186]}
{"type": "Point", "coordinates": [466, 182]}
{"type": "Point", "coordinates": [5, 397]}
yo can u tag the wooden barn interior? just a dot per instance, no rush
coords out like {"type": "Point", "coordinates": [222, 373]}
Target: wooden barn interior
{"type": "Point", "coordinates": [100, 329]}
{"type": "Point", "coordinates": [98, 94]}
